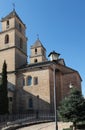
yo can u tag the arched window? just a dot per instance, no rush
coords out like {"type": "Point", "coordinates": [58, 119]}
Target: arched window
{"type": "Point", "coordinates": [35, 50]}
{"type": "Point", "coordinates": [30, 103]}
{"type": "Point", "coordinates": [35, 60]}
{"type": "Point", "coordinates": [6, 39]}
{"type": "Point", "coordinates": [7, 24]}
{"type": "Point", "coordinates": [29, 80]}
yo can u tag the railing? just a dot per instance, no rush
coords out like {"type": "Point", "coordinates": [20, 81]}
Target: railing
{"type": "Point", "coordinates": [6, 120]}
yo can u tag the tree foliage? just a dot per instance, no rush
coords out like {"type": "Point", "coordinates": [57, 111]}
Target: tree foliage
{"type": "Point", "coordinates": [4, 91]}
{"type": "Point", "coordinates": [72, 108]}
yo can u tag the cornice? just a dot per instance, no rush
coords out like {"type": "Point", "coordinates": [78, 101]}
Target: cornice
{"type": "Point", "coordinates": [11, 48]}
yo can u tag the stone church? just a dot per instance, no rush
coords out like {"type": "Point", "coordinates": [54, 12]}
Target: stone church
{"type": "Point", "coordinates": [31, 85]}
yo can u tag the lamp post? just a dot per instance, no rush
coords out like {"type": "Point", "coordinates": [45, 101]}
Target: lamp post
{"type": "Point", "coordinates": [54, 57]}
{"type": "Point", "coordinates": [55, 109]}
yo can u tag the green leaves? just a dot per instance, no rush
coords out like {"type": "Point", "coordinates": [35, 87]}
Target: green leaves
{"type": "Point", "coordinates": [72, 107]}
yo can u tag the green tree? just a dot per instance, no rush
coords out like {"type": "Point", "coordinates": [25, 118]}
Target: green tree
{"type": "Point", "coordinates": [3, 91]}
{"type": "Point", "coordinates": [72, 108]}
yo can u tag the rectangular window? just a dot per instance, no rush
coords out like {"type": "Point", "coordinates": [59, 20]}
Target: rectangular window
{"type": "Point", "coordinates": [35, 80]}
{"type": "Point", "coordinates": [21, 43]}
{"type": "Point", "coordinates": [29, 82]}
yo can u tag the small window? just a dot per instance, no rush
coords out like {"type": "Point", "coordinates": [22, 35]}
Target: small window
{"type": "Point", "coordinates": [35, 50]}
{"type": "Point", "coordinates": [37, 96]}
{"type": "Point", "coordinates": [23, 82]}
{"type": "Point", "coordinates": [35, 60]}
{"type": "Point", "coordinates": [35, 80]}
{"type": "Point", "coordinates": [29, 81]}
{"type": "Point", "coordinates": [30, 103]}
{"type": "Point", "coordinates": [10, 99]}
{"type": "Point", "coordinates": [21, 43]}
{"type": "Point", "coordinates": [6, 39]}
{"type": "Point", "coordinates": [7, 24]}
{"type": "Point", "coordinates": [20, 27]}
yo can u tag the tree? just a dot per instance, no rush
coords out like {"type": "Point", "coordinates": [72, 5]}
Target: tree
{"type": "Point", "coordinates": [3, 91]}
{"type": "Point", "coordinates": [72, 108]}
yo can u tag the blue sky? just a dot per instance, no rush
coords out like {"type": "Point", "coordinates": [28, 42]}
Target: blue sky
{"type": "Point", "coordinates": [60, 25]}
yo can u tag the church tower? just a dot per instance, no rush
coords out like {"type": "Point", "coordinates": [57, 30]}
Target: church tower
{"type": "Point", "coordinates": [38, 52]}
{"type": "Point", "coordinates": [13, 42]}
{"type": "Point", "coordinates": [13, 49]}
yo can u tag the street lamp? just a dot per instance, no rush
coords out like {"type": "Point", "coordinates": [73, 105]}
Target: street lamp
{"type": "Point", "coordinates": [55, 109]}
{"type": "Point", "coordinates": [70, 85]}
{"type": "Point", "coordinates": [54, 57]}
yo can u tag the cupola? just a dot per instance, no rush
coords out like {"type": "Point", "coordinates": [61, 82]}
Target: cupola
{"type": "Point", "coordinates": [54, 56]}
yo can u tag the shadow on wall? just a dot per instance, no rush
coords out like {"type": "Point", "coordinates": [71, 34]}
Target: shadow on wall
{"type": "Point", "coordinates": [29, 103]}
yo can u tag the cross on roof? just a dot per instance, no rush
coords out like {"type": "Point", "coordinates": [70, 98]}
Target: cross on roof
{"type": "Point", "coordinates": [13, 6]}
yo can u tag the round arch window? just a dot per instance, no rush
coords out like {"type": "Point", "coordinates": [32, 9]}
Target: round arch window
{"type": "Point", "coordinates": [6, 39]}
{"type": "Point", "coordinates": [35, 60]}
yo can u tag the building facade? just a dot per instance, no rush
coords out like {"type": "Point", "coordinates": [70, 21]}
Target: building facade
{"type": "Point", "coordinates": [31, 86]}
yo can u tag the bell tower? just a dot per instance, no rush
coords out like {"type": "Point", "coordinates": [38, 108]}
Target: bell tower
{"type": "Point", "coordinates": [38, 52]}
{"type": "Point", "coordinates": [13, 42]}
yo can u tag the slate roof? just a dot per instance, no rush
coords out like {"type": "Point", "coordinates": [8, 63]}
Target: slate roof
{"type": "Point", "coordinates": [11, 15]}
{"type": "Point", "coordinates": [37, 44]}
